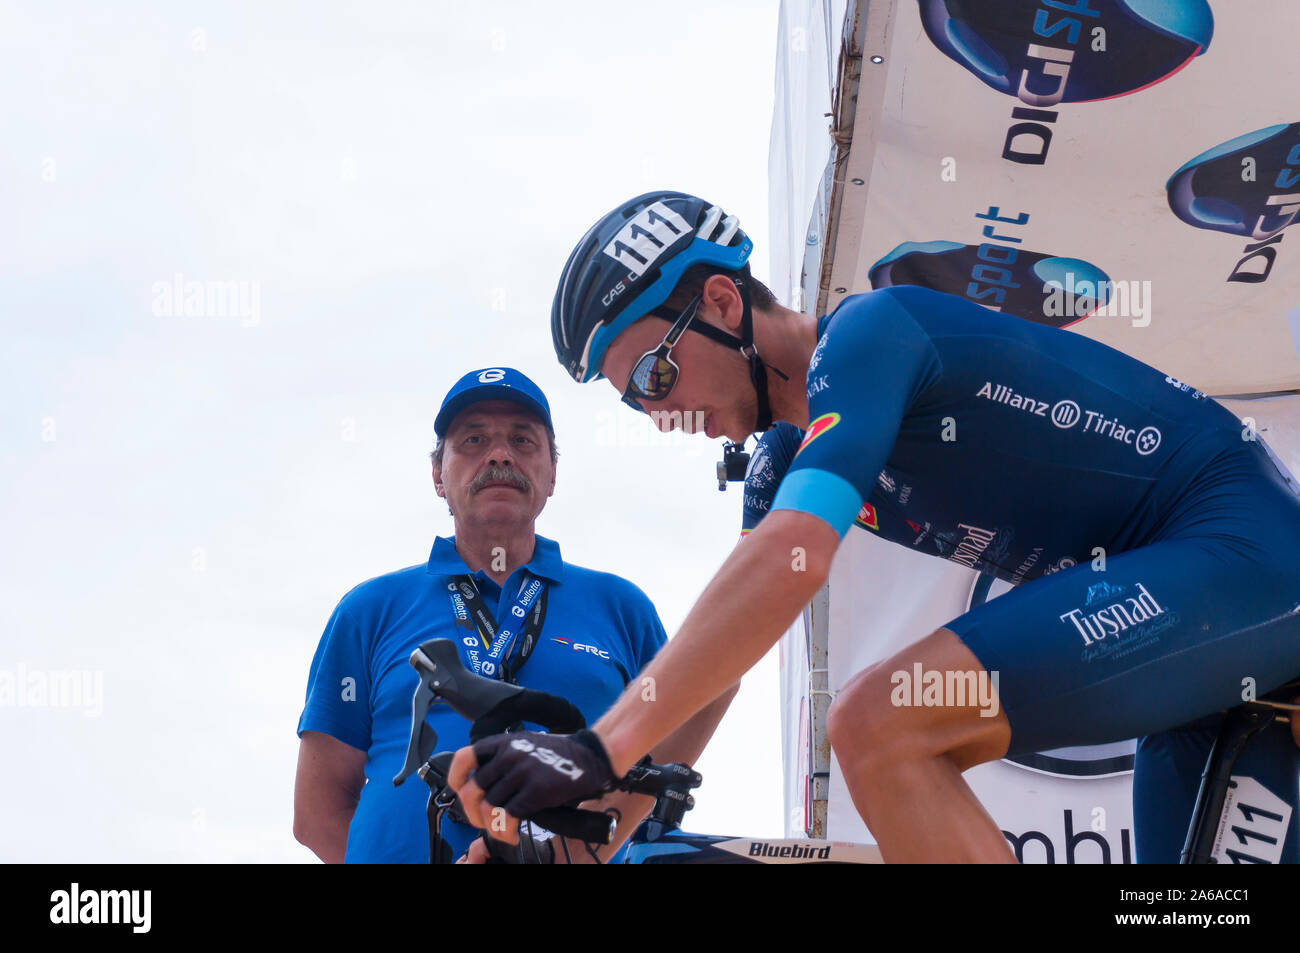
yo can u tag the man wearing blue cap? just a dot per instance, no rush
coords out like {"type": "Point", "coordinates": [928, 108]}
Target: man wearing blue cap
{"type": "Point", "coordinates": [505, 597]}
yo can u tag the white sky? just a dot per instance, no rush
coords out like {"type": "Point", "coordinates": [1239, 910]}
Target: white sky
{"type": "Point", "coordinates": [185, 499]}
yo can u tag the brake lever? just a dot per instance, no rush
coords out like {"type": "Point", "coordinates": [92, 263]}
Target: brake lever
{"type": "Point", "coordinates": [444, 680]}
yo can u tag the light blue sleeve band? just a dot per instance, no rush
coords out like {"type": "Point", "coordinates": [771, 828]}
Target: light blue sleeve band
{"type": "Point", "coordinates": [822, 494]}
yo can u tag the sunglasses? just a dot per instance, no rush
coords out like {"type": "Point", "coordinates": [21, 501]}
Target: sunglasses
{"type": "Point", "coordinates": [655, 373]}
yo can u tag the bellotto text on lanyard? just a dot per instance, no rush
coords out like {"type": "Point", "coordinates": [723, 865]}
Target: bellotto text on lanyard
{"type": "Point", "coordinates": [498, 651]}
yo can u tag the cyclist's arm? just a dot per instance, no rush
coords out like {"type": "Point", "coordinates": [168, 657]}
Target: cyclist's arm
{"type": "Point", "coordinates": [756, 596]}
{"type": "Point", "coordinates": [328, 784]}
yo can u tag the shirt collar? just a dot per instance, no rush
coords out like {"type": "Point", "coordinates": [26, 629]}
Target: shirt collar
{"type": "Point", "coordinates": [545, 562]}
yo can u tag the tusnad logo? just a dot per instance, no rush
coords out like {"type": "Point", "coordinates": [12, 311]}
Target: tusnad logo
{"type": "Point", "coordinates": [1116, 620]}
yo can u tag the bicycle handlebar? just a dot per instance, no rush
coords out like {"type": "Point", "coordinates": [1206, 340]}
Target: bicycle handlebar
{"type": "Point", "coordinates": [492, 707]}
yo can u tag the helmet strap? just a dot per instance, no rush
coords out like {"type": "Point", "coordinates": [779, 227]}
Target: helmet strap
{"type": "Point", "coordinates": [744, 344]}
{"type": "Point", "coordinates": [757, 368]}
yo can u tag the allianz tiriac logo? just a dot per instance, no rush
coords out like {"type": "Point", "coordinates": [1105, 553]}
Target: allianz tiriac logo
{"type": "Point", "coordinates": [1047, 289]}
{"type": "Point", "coordinates": [1047, 52]}
{"type": "Point", "coordinates": [1248, 186]}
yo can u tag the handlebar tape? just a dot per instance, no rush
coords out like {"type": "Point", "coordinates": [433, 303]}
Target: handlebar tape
{"type": "Point", "coordinates": [590, 826]}
{"type": "Point", "coordinates": [553, 713]}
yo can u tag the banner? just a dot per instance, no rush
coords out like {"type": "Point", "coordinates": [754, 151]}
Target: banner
{"type": "Point", "coordinates": [1128, 169]}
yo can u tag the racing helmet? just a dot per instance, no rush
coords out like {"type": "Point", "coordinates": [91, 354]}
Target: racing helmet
{"type": "Point", "coordinates": [628, 264]}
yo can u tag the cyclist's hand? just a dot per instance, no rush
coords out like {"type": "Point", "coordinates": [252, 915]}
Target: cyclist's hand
{"type": "Point", "coordinates": [477, 812]}
{"type": "Point", "coordinates": [478, 853]}
{"type": "Point", "coordinates": [524, 772]}
{"type": "Point", "coordinates": [528, 851]}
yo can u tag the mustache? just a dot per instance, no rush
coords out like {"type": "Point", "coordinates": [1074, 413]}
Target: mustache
{"type": "Point", "coordinates": [500, 475]}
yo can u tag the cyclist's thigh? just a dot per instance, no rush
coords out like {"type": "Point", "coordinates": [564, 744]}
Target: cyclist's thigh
{"type": "Point", "coordinates": [1263, 820]}
{"type": "Point", "coordinates": [1165, 634]}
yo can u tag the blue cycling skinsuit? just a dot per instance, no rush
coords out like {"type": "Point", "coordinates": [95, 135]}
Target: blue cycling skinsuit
{"type": "Point", "coordinates": [600, 630]}
{"type": "Point", "coordinates": [1029, 452]}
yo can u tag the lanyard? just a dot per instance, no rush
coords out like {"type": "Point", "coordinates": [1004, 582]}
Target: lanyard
{"type": "Point", "coordinates": [498, 651]}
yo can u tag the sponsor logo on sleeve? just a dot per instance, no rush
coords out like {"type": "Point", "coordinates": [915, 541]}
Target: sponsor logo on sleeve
{"type": "Point", "coordinates": [818, 427]}
{"type": "Point", "coordinates": [866, 517]}
{"type": "Point", "coordinates": [817, 354]}
{"type": "Point", "coordinates": [816, 385]}
{"type": "Point", "coordinates": [1185, 388]}
{"type": "Point", "coordinates": [761, 473]}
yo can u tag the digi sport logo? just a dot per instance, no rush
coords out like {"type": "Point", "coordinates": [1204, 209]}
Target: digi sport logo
{"type": "Point", "coordinates": [1248, 186]}
{"type": "Point", "coordinates": [1046, 52]}
{"type": "Point", "coordinates": [1016, 281]}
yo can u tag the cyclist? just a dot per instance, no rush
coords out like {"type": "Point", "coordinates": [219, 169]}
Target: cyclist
{"type": "Point", "coordinates": [1156, 543]}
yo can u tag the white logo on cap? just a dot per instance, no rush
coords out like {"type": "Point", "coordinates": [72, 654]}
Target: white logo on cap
{"type": "Point", "coordinates": [491, 375]}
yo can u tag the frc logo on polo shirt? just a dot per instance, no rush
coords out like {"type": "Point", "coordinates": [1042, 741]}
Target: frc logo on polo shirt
{"type": "Point", "coordinates": [580, 647]}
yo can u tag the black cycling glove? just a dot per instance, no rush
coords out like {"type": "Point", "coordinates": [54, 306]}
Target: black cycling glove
{"type": "Point", "coordinates": [527, 771]}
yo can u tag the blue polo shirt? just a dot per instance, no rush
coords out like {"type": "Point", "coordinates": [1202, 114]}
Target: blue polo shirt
{"type": "Point", "coordinates": [600, 630]}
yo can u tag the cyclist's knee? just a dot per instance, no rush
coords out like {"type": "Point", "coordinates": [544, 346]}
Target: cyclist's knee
{"type": "Point", "coordinates": [870, 722]}
{"type": "Point", "coordinates": [863, 723]}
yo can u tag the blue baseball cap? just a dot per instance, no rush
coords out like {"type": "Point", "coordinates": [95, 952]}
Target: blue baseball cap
{"type": "Point", "coordinates": [491, 383]}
